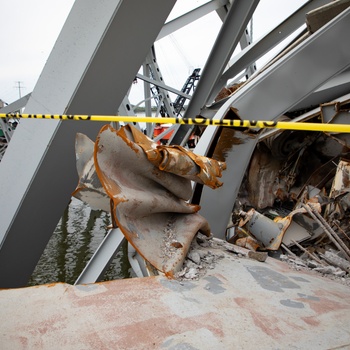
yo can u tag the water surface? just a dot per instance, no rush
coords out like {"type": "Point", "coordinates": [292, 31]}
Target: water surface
{"type": "Point", "coordinates": [75, 239]}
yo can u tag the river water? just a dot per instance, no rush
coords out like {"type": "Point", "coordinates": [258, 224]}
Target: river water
{"type": "Point", "coordinates": [75, 239]}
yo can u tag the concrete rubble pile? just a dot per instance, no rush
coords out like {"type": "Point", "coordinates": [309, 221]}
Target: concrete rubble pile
{"type": "Point", "coordinates": [206, 251]}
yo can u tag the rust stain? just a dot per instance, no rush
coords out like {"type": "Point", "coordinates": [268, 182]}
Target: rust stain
{"type": "Point", "coordinates": [24, 342]}
{"type": "Point", "coordinates": [51, 324]}
{"type": "Point", "coordinates": [268, 324]}
{"type": "Point", "coordinates": [176, 245]}
{"type": "Point", "coordinates": [142, 334]}
{"type": "Point", "coordinates": [140, 320]}
{"type": "Point", "coordinates": [311, 321]}
{"type": "Point", "coordinates": [294, 326]}
{"type": "Point", "coordinates": [227, 140]}
{"type": "Point", "coordinates": [324, 305]}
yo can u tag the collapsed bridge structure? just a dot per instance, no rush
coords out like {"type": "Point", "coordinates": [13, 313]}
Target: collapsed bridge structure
{"type": "Point", "coordinates": [89, 72]}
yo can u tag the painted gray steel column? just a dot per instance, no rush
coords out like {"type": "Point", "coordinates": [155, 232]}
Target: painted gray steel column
{"type": "Point", "coordinates": [91, 67]}
{"type": "Point", "coordinates": [231, 32]}
{"type": "Point", "coordinates": [283, 85]}
{"type": "Point", "coordinates": [257, 49]}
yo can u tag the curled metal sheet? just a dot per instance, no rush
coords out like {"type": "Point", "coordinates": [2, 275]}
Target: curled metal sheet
{"type": "Point", "coordinates": [180, 161]}
{"type": "Point", "coordinates": [149, 187]}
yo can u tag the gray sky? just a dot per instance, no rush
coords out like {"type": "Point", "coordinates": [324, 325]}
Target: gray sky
{"type": "Point", "coordinates": [30, 29]}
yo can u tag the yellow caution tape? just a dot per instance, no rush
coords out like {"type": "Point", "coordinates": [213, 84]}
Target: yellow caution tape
{"type": "Point", "coordinates": [201, 121]}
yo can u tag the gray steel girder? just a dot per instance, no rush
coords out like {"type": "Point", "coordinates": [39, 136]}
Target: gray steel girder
{"type": "Point", "coordinates": [257, 49]}
{"type": "Point", "coordinates": [254, 51]}
{"type": "Point", "coordinates": [276, 90]}
{"type": "Point", "coordinates": [162, 86]}
{"type": "Point", "coordinates": [89, 71]}
{"type": "Point", "coordinates": [231, 32]}
{"type": "Point", "coordinates": [17, 105]}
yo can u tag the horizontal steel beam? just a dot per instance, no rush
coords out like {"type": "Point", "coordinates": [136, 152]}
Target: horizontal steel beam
{"type": "Point", "coordinates": [17, 105]}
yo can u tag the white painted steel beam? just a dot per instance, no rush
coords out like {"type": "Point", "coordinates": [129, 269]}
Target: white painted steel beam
{"type": "Point", "coordinates": [283, 85]}
{"type": "Point", "coordinates": [92, 65]}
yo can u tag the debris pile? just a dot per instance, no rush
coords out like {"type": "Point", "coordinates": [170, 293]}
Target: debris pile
{"type": "Point", "coordinates": [204, 253]}
{"type": "Point", "coordinates": [294, 201]}
{"type": "Point", "coordinates": [199, 259]}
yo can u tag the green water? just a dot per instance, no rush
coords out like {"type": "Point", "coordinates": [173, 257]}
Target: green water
{"type": "Point", "coordinates": [75, 239]}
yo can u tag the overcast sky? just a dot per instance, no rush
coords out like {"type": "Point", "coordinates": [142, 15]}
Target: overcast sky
{"type": "Point", "coordinates": [30, 29]}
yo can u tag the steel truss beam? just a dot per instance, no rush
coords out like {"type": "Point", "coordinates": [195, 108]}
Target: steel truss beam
{"type": "Point", "coordinates": [163, 98]}
{"type": "Point", "coordinates": [257, 49]}
{"type": "Point", "coordinates": [229, 36]}
{"type": "Point", "coordinates": [283, 85]}
{"type": "Point", "coordinates": [17, 105]}
{"type": "Point", "coordinates": [249, 55]}
{"type": "Point", "coordinates": [89, 71]}
{"type": "Point", "coordinates": [161, 85]}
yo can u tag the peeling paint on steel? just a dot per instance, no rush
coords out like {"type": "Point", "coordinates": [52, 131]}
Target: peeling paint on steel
{"type": "Point", "coordinates": [241, 303]}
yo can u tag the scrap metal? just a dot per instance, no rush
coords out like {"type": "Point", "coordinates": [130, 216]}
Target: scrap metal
{"type": "Point", "coordinates": [304, 213]}
{"type": "Point", "coordinates": [146, 187]}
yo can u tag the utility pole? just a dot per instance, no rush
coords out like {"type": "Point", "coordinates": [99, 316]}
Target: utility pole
{"type": "Point", "coordinates": [19, 87]}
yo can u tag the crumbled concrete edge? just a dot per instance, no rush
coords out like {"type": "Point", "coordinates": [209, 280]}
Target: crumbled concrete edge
{"type": "Point", "coordinates": [205, 252]}
{"type": "Point", "coordinates": [200, 258]}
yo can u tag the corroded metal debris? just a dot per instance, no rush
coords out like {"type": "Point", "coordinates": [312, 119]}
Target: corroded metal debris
{"type": "Point", "coordinates": [295, 198]}
{"type": "Point", "coordinates": [148, 187]}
